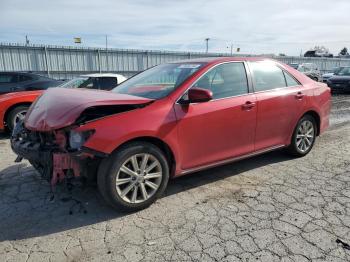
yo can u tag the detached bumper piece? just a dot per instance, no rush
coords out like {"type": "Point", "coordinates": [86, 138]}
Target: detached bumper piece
{"type": "Point", "coordinates": [50, 155]}
{"type": "Point", "coordinates": [62, 162]}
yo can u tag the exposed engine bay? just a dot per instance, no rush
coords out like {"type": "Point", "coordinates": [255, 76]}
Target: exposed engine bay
{"type": "Point", "coordinates": [51, 155]}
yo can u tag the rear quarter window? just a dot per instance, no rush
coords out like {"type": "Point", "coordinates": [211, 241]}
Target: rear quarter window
{"type": "Point", "coordinates": [290, 80]}
{"type": "Point", "coordinates": [267, 76]}
{"type": "Point", "coordinates": [107, 83]}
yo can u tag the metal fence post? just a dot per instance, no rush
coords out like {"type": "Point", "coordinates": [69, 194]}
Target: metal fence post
{"type": "Point", "coordinates": [46, 61]}
{"type": "Point", "coordinates": [99, 60]}
{"type": "Point", "coordinates": [147, 63]}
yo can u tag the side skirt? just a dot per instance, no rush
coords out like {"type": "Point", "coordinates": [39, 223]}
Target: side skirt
{"type": "Point", "coordinates": [230, 160]}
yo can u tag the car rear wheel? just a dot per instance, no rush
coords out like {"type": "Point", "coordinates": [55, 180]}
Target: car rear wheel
{"type": "Point", "coordinates": [15, 115]}
{"type": "Point", "coordinates": [304, 136]}
{"type": "Point", "coordinates": [133, 177]}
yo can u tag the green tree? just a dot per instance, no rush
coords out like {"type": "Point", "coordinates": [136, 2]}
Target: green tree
{"type": "Point", "coordinates": [344, 51]}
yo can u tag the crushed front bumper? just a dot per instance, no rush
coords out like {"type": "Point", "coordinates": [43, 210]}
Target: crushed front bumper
{"type": "Point", "coordinates": [51, 158]}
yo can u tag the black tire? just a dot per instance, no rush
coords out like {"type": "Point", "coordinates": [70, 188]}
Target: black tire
{"type": "Point", "coordinates": [293, 148]}
{"type": "Point", "coordinates": [12, 115]}
{"type": "Point", "coordinates": [109, 167]}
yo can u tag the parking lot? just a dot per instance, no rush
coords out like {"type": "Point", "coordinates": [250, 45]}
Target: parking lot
{"type": "Point", "coordinates": [268, 208]}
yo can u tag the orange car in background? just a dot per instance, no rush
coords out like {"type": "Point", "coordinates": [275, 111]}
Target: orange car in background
{"type": "Point", "coordinates": [14, 106]}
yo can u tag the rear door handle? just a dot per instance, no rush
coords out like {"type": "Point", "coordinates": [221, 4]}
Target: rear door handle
{"type": "Point", "coordinates": [299, 95]}
{"type": "Point", "coordinates": [248, 105]}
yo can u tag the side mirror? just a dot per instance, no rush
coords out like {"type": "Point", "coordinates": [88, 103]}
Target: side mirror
{"type": "Point", "coordinates": [198, 95]}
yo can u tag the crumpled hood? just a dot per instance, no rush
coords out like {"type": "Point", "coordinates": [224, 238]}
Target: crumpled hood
{"type": "Point", "coordinates": [60, 107]}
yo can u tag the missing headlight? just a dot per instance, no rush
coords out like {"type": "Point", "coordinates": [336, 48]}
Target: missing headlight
{"type": "Point", "coordinates": [77, 139]}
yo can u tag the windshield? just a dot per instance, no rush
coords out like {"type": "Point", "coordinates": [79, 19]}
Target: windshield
{"type": "Point", "coordinates": [344, 71]}
{"type": "Point", "coordinates": [159, 81]}
{"type": "Point", "coordinates": [79, 82]}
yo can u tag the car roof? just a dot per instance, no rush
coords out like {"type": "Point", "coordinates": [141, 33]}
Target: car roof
{"type": "Point", "coordinates": [104, 75]}
{"type": "Point", "coordinates": [22, 73]}
{"type": "Point", "coordinates": [222, 59]}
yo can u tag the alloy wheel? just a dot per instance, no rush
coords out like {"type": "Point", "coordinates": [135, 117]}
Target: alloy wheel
{"type": "Point", "coordinates": [139, 178]}
{"type": "Point", "coordinates": [19, 117]}
{"type": "Point", "coordinates": [305, 136]}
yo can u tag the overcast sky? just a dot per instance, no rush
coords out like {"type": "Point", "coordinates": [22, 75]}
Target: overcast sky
{"type": "Point", "coordinates": [256, 26]}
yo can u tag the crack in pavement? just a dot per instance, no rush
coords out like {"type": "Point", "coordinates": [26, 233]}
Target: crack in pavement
{"type": "Point", "coordinates": [267, 208]}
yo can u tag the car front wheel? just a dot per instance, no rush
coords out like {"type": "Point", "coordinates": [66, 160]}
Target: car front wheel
{"type": "Point", "coordinates": [304, 136]}
{"type": "Point", "coordinates": [133, 177]}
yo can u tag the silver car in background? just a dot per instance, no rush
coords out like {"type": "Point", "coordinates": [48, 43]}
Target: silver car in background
{"type": "Point", "coordinates": [311, 70]}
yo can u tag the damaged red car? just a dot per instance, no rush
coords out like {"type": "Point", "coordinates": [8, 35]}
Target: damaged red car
{"type": "Point", "coordinates": [170, 120]}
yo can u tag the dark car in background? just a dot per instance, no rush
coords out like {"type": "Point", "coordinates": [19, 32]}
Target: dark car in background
{"type": "Point", "coordinates": [340, 81]}
{"type": "Point", "coordinates": [326, 76]}
{"type": "Point", "coordinates": [22, 81]}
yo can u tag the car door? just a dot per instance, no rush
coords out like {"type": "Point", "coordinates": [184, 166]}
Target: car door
{"type": "Point", "coordinates": [280, 102]}
{"type": "Point", "coordinates": [223, 127]}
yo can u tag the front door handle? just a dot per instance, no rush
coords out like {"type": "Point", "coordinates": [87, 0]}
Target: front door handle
{"type": "Point", "coordinates": [248, 105]}
{"type": "Point", "coordinates": [299, 95]}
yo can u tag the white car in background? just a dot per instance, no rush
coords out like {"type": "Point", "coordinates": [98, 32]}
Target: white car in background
{"type": "Point", "coordinates": [103, 81]}
{"type": "Point", "coordinates": [311, 70]}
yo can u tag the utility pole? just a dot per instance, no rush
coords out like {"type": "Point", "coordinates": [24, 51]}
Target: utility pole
{"type": "Point", "coordinates": [207, 44]}
{"type": "Point", "coordinates": [231, 46]}
{"type": "Point", "coordinates": [27, 40]}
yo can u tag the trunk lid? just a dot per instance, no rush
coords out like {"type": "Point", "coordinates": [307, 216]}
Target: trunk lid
{"type": "Point", "coordinates": [60, 107]}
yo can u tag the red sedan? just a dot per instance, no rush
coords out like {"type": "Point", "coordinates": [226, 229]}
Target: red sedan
{"type": "Point", "coordinates": [171, 120]}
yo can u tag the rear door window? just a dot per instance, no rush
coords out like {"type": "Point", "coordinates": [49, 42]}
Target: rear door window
{"type": "Point", "coordinates": [267, 76]}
